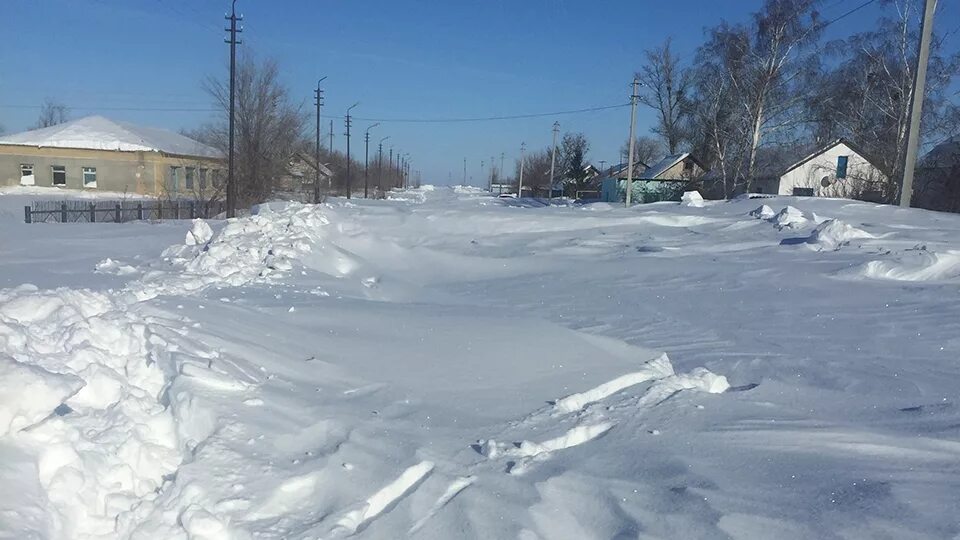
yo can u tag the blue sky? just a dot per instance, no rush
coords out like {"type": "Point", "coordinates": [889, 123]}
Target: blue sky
{"type": "Point", "coordinates": [411, 59]}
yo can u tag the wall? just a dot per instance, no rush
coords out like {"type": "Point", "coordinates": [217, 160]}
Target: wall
{"type": "Point", "coordinates": [861, 175]}
{"type": "Point", "coordinates": [134, 172]}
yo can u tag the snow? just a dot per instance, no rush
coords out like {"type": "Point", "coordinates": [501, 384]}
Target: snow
{"type": "Point", "coordinates": [446, 364]}
{"type": "Point", "coordinates": [99, 133]}
{"type": "Point", "coordinates": [692, 198]}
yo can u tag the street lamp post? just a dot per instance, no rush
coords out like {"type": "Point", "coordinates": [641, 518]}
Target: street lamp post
{"type": "Point", "coordinates": [366, 159]}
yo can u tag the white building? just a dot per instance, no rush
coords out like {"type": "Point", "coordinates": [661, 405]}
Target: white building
{"type": "Point", "coordinates": [838, 169]}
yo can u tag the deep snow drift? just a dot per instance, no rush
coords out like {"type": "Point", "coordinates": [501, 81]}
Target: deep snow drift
{"type": "Point", "coordinates": [445, 364]}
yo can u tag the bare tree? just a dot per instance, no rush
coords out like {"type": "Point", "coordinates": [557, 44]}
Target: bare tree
{"type": "Point", "coordinates": [646, 150]}
{"type": "Point", "coordinates": [866, 97]}
{"type": "Point", "coordinates": [269, 126]}
{"type": "Point", "coordinates": [666, 85]}
{"type": "Point", "coordinates": [765, 64]}
{"type": "Point", "coordinates": [52, 113]}
{"type": "Point", "coordinates": [536, 171]}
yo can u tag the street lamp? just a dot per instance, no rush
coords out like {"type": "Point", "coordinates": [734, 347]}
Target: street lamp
{"type": "Point", "coordinates": [366, 159]}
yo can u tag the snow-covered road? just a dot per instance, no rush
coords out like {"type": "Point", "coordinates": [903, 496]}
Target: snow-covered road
{"type": "Point", "coordinates": [449, 365]}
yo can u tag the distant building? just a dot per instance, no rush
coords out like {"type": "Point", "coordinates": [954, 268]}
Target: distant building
{"type": "Point", "coordinates": [665, 180]}
{"type": "Point", "coordinates": [837, 169]}
{"type": "Point", "coordinates": [937, 178]}
{"type": "Point", "coordinates": [297, 182]}
{"type": "Point", "coordinates": [95, 153]}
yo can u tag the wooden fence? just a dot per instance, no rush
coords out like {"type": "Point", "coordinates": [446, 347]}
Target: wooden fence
{"type": "Point", "coordinates": [79, 211]}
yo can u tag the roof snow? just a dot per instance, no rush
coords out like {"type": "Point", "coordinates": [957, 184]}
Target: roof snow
{"type": "Point", "coordinates": [99, 133]}
{"type": "Point", "coordinates": [654, 171]}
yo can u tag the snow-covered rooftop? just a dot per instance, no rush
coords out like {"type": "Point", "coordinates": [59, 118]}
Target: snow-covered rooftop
{"type": "Point", "coordinates": [654, 171]}
{"type": "Point", "coordinates": [99, 133]}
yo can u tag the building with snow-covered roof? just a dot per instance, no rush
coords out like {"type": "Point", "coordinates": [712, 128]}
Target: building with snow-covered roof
{"type": "Point", "coordinates": [98, 153]}
{"type": "Point", "coordinates": [665, 180]}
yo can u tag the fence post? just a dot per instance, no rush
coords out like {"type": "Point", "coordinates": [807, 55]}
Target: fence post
{"type": "Point", "coordinates": [93, 212]}
{"type": "Point", "coordinates": [116, 214]}
{"type": "Point", "coordinates": [192, 214]}
{"type": "Point", "coordinates": [63, 212]}
{"type": "Point", "coordinates": [27, 216]}
{"type": "Point", "coordinates": [140, 211]}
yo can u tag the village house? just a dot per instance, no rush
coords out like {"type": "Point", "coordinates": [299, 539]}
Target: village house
{"type": "Point", "coordinates": [96, 153]}
{"type": "Point", "coordinates": [301, 173]}
{"type": "Point", "coordinates": [837, 169]}
{"type": "Point", "coordinates": [665, 180]}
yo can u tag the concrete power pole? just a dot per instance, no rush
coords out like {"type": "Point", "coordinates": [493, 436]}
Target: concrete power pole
{"type": "Point", "coordinates": [348, 121]}
{"type": "Point", "coordinates": [553, 160]}
{"type": "Point", "coordinates": [523, 148]}
{"type": "Point", "coordinates": [633, 120]}
{"type": "Point", "coordinates": [231, 178]}
{"type": "Point", "coordinates": [366, 160]}
{"type": "Point", "coordinates": [380, 165]}
{"type": "Point", "coordinates": [331, 137]}
{"type": "Point", "coordinates": [919, 84]}
{"type": "Point", "coordinates": [318, 97]}
{"type": "Point", "coordinates": [464, 171]}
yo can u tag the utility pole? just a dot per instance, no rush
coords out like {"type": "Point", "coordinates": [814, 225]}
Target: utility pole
{"type": "Point", "coordinates": [318, 98]}
{"type": "Point", "coordinates": [553, 160]}
{"type": "Point", "coordinates": [523, 148]}
{"type": "Point", "coordinates": [493, 169]}
{"type": "Point", "coordinates": [633, 120]}
{"type": "Point", "coordinates": [464, 171]}
{"type": "Point", "coordinates": [481, 168]}
{"type": "Point", "coordinates": [366, 158]}
{"type": "Point", "coordinates": [331, 137]}
{"type": "Point", "coordinates": [348, 121]}
{"type": "Point", "coordinates": [603, 165]}
{"type": "Point", "coordinates": [380, 164]}
{"type": "Point", "coordinates": [919, 84]}
{"type": "Point", "coordinates": [231, 178]}
{"type": "Point", "coordinates": [392, 170]}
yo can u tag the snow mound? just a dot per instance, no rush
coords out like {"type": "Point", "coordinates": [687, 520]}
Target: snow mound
{"type": "Point", "coordinates": [789, 218]}
{"type": "Point", "coordinates": [692, 198]}
{"type": "Point", "coordinates": [262, 246]}
{"type": "Point", "coordinates": [110, 266]}
{"type": "Point", "coordinates": [763, 212]}
{"type": "Point", "coordinates": [199, 234]}
{"type": "Point", "coordinates": [76, 371]}
{"type": "Point", "coordinates": [832, 234]}
{"type": "Point", "coordinates": [915, 265]}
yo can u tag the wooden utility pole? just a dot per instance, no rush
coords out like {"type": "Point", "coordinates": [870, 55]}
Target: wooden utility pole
{"type": "Point", "coordinates": [919, 82]}
{"type": "Point", "coordinates": [553, 160]}
{"type": "Point", "coordinates": [318, 97]}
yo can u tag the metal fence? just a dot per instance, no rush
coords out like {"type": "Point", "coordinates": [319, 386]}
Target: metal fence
{"type": "Point", "coordinates": [79, 211]}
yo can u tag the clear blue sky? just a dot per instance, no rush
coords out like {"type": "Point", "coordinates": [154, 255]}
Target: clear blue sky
{"type": "Point", "coordinates": [399, 59]}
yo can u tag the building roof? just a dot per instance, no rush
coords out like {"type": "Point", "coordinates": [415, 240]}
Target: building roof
{"type": "Point", "coordinates": [99, 133]}
{"type": "Point", "coordinates": [654, 171]}
{"type": "Point", "coordinates": [310, 162]}
{"type": "Point", "coordinates": [944, 155]}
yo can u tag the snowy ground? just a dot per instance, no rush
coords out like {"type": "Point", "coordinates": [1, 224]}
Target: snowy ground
{"type": "Point", "coordinates": [449, 365]}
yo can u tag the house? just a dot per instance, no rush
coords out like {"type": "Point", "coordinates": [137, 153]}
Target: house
{"type": "Point", "coordinates": [665, 180]}
{"type": "Point", "coordinates": [837, 169]}
{"type": "Point", "coordinates": [937, 178]}
{"type": "Point", "coordinates": [301, 173]}
{"type": "Point", "coordinates": [98, 153]}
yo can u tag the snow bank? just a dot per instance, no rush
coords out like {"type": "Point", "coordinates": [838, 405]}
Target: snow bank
{"type": "Point", "coordinates": [915, 265]}
{"type": "Point", "coordinates": [262, 246]}
{"type": "Point", "coordinates": [77, 372]}
{"type": "Point", "coordinates": [833, 233]}
{"type": "Point", "coordinates": [789, 218]}
{"type": "Point", "coordinates": [692, 198]}
{"type": "Point", "coordinates": [763, 212]}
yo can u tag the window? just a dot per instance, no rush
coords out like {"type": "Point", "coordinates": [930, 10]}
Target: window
{"type": "Point", "coordinates": [26, 174]}
{"type": "Point", "coordinates": [203, 179]}
{"type": "Point", "coordinates": [803, 192]}
{"type": "Point", "coordinates": [173, 182]}
{"type": "Point", "coordinates": [89, 177]}
{"type": "Point", "coordinates": [59, 175]}
{"type": "Point", "coordinates": [842, 166]}
{"type": "Point", "coordinates": [188, 179]}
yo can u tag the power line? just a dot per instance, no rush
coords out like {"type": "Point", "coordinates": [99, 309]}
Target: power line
{"type": "Point", "coordinates": [847, 14]}
{"type": "Point", "coordinates": [490, 118]}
